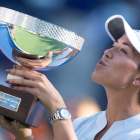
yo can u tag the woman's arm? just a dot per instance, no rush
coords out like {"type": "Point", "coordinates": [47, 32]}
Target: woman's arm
{"type": "Point", "coordinates": [41, 87]}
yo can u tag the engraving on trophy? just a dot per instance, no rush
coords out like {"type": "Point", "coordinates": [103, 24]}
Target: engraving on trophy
{"type": "Point", "coordinates": [10, 102]}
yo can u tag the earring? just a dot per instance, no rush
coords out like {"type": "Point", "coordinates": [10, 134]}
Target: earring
{"type": "Point", "coordinates": [134, 82]}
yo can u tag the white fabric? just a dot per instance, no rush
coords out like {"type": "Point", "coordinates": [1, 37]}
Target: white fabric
{"type": "Point", "coordinates": [86, 128]}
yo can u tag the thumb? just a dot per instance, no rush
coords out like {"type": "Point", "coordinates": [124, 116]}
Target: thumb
{"type": "Point", "coordinates": [48, 54]}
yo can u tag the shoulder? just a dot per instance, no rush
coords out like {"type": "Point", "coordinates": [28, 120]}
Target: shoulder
{"type": "Point", "coordinates": [79, 122]}
{"type": "Point", "coordinates": [131, 136]}
{"type": "Point", "coordinates": [134, 134]}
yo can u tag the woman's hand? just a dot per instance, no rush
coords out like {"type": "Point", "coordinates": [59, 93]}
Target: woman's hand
{"type": "Point", "coordinates": [19, 130]}
{"type": "Point", "coordinates": [38, 85]}
{"type": "Point", "coordinates": [39, 63]}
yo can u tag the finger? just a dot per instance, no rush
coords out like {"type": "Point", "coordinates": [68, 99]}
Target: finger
{"type": "Point", "coordinates": [49, 54]}
{"type": "Point", "coordinates": [21, 82]}
{"type": "Point", "coordinates": [26, 89]}
{"type": "Point", "coordinates": [21, 67]}
{"type": "Point", "coordinates": [29, 63]}
{"type": "Point", "coordinates": [39, 63]}
{"type": "Point", "coordinates": [28, 74]}
{"type": "Point", "coordinates": [4, 122]}
{"type": "Point", "coordinates": [19, 125]}
{"type": "Point", "coordinates": [18, 67]}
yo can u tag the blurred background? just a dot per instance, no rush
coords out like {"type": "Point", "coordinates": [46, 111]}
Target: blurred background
{"type": "Point", "coordinates": [82, 96]}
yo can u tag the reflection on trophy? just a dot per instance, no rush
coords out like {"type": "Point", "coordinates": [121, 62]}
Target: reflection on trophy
{"type": "Point", "coordinates": [25, 36]}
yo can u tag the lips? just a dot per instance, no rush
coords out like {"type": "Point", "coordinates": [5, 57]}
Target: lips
{"type": "Point", "coordinates": [101, 63]}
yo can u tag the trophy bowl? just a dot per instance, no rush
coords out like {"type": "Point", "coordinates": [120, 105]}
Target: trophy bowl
{"type": "Point", "coordinates": [25, 36]}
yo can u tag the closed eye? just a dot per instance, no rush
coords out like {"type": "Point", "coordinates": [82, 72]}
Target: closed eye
{"type": "Point", "coordinates": [123, 51]}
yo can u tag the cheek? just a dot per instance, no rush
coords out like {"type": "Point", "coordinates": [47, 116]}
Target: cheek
{"type": "Point", "coordinates": [101, 75]}
{"type": "Point", "coordinates": [125, 69]}
{"type": "Point", "coordinates": [120, 72]}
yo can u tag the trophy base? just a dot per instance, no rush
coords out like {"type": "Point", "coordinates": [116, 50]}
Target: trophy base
{"type": "Point", "coordinates": [21, 106]}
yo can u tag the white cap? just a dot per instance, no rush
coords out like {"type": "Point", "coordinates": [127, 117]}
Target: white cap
{"type": "Point", "coordinates": [116, 26]}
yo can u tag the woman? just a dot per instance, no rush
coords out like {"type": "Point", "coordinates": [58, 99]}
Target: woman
{"type": "Point", "coordinates": [118, 71]}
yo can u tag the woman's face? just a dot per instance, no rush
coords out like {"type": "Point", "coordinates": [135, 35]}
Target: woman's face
{"type": "Point", "coordinates": [118, 66]}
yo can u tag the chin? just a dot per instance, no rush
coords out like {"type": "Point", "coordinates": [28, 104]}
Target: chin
{"type": "Point", "coordinates": [98, 77]}
{"type": "Point", "coordinates": [95, 77]}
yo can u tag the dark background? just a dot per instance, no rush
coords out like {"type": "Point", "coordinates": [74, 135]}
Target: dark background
{"type": "Point", "coordinates": [73, 80]}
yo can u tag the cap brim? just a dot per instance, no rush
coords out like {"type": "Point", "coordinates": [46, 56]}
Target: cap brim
{"type": "Point", "coordinates": [116, 26]}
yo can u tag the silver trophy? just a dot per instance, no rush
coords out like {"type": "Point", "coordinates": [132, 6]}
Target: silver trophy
{"type": "Point", "coordinates": [25, 36]}
{"type": "Point", "coordinates": [34, 36]}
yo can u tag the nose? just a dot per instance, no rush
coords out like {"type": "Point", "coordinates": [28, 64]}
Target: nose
{"type": "Point", "coordinates": [108, 54]}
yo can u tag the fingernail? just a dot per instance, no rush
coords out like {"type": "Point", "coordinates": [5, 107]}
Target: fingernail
{"type": "Point", "coordinates": [16, 57]}
{"type": "Point", "coordinates": [7, 81]}
{"type": "Point", "coordinates": [8, 70]}
{"type": "Point", "coordinates": [1, 117]}
{"type": "Point", "coordinates": [11, 86]}
{"type": "Point", "coordinates": [14, 66]}
{"type": "Point", "coordinates": [16, 122]}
